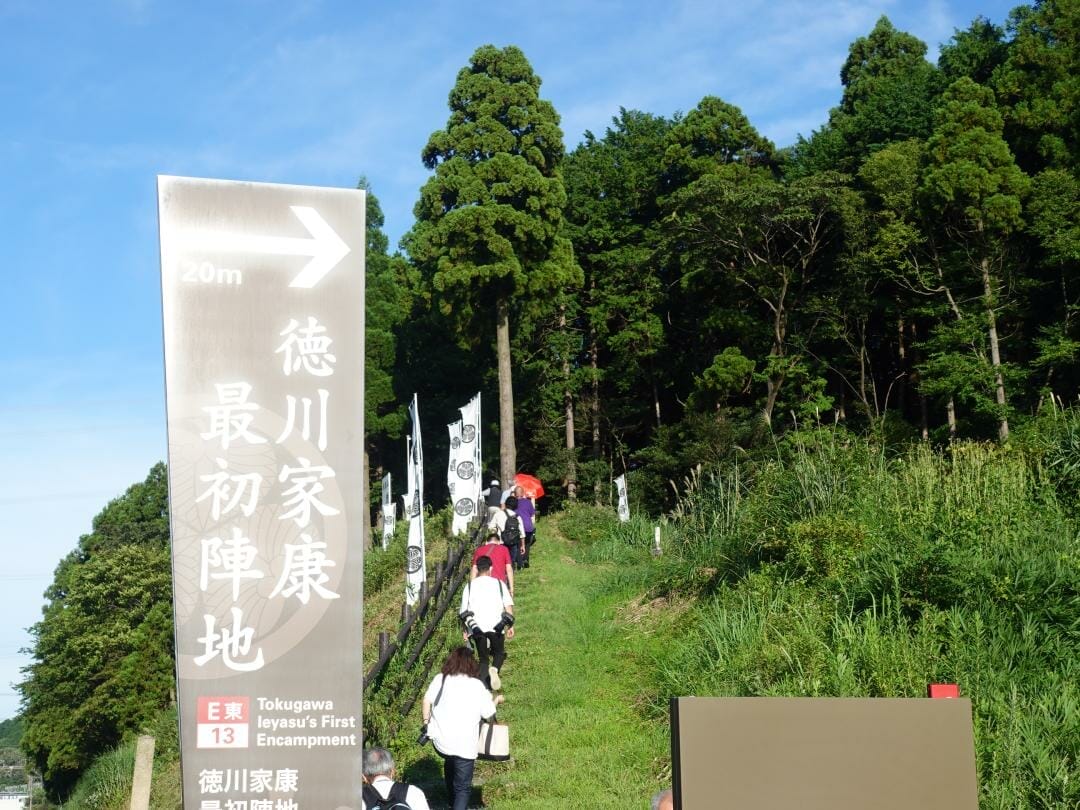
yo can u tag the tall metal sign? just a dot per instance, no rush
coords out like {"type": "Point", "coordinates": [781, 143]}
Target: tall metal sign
{"type": "Point", "coordinates": [263, 309]}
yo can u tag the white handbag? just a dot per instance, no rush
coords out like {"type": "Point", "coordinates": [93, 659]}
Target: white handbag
{"type": "Point", "coordinates": [494, 743]}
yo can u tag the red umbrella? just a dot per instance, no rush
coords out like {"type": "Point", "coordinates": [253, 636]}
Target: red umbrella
{"type": "Point", "coordinates": [531, 484]}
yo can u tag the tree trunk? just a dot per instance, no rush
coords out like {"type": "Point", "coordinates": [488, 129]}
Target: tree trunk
{"type": "Point", "coordinates": [594, 408]}
{"type": "Point", "coordinates": [901, 388]}
{"type": "Point", "coordinates": [507, 445]}
{"type": "Point", "coordinates": [995, 352]}
{"type": "Point", "coordinates": [924, 417]}
{"type": "Point", "coordinates": [950, 414]}
{"type": "Point", "coordinates": [568, 407]}
{"type": "Point", "coordinates": [772, 384]}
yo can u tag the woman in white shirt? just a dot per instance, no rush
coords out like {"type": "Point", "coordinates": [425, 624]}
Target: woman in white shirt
{"type": "Point", "coordinates": [454, 704]}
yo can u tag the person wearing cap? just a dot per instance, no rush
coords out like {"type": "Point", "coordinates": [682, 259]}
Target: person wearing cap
{"type": "Point", "coordinates": [493, 499]}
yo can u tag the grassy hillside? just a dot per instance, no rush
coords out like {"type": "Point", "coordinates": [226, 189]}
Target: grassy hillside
{"type": "Point", "coordinates": [832, 567]}
{"type": "Point", "coordinates": [835, 569]}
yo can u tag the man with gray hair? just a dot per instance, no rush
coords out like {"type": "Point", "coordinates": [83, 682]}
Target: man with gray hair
{"type": "Point", "coordinates": [381, 792]}
{"type": "Point", "coordinates": [663, 800]}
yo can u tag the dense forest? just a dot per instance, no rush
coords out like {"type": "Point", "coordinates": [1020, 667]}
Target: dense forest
{"type": "Point", "coordinates": [677, 289]}
{"type": "Point", "coordinates": [674, 293]}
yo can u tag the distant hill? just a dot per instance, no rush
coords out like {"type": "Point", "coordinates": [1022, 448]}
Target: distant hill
{"type": "Point", "coordinates": [10, 732]}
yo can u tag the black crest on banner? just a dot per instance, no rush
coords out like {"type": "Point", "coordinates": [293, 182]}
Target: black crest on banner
{"type": "Point", "coordinates": [413, 559]}
{"type": "Point", "coordinates": [465, 470]}
{"type": "Point", "coordinates": [455, 442]}
{"type": "Point", "coordinates": [468, 433]}
{"type": "Point", "coordinates": [464, 507]}
{"type": "Point", "coordinates": [414, 507]}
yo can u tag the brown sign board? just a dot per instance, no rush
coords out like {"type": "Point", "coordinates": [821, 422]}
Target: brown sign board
{"type": "Point", "coordinates": [822, 754]}
{"type": "Point", "coordinates": [263, 314]}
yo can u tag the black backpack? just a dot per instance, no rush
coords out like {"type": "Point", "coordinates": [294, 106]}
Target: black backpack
{"type": "Point", "coordinates": [395, 799]}
{"type": "Point", "coordinates": [511, 535]}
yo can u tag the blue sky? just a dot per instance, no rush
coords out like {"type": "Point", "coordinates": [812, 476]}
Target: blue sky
{"type": "Point", "coordinates": [99, 97]}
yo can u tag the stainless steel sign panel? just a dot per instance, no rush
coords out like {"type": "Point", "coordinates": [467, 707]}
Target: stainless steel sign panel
{"type": "Point", "coordinates": [263, 310]}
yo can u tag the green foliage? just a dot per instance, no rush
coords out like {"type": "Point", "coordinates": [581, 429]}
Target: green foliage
{"type": "Point", "coordinates": [139, 518]}
{"type": "Point", "coordinates": [106, 784]}
{"type": "Point", "coordinates": [889, 92]}
{"type": "Point", "coordinates": [587, 524]}
{"type": "Point", "coordinates": [107, 781]}
{"type": "Point", "coordinates": [1039, 84]}
{"type": "Point", "coordinates": [11, 730]}
{"type": "Point", "coordinates": [827, 547]}
{"type": "Point", "coordinates": [386, 306]}
{"type": "Point", "coordinates": [699, 302]}
{"type": "Point", "coordinates": [970, 173]}
{"type": "Point", "coordinates": [713, 134]}
{"type": "Point", "coordinates": [974, 53]}
{"type": "Point", "coordinates": [1055, 215]}
{"type": "Point", "coordinates": [102, 652]}
{"type": "Point", "coordinates": [728, 376]}
{"type": "Point", "coordinates": [835, 569]}
{"type": "Point", "coordinates": [489, 220]}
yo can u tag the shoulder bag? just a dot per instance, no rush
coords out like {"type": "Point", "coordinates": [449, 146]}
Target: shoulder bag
{"type": "Point", "coordinates": [494, 742]}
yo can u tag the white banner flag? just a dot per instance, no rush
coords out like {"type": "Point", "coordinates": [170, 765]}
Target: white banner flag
{"type": "Point", "coordinates": [389, 512]}
{"type": "Point", "coordinates": [415, 555]}
{"type": "Point", "coordinates": [459, 476]}
{"type": "Point", "coordinates": [624, 506]}
{"type": "Point", "coordinates": [469, 483]}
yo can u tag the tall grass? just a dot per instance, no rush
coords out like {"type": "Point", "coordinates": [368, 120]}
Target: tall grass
{"type": "Point", "coordinates": [833, 568]}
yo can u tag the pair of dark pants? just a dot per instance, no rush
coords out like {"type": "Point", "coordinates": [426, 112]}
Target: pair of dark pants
{"type": "Point", "coordinates": [491, 650]}
{"type": "Point", "coordinates": [530, 538]}
{"type": "Point", "coordinates": [514, 549]}
{"type": "Point", "coordinates": [458, 773]}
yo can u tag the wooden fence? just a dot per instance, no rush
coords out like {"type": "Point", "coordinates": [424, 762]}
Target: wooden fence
{"type": "Point", "coordinates": [425, 619]}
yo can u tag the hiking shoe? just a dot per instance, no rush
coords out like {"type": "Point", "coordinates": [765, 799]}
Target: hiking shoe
{"type": "Point", "coordinates": [493, 674]}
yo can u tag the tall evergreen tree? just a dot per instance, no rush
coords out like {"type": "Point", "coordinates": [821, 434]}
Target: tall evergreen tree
{"type": "Point", "coordinates": [974, 189]}
{"type": "Point", "coordinates": [489, 221]}
{"type": "Point", "coordinates": [614, 219]}
{"type": "Point", "coordinates": [386, 305]}
{"type": "Point", "coordinates": [1038, 86]}
{"type": "Point", "coordinates": [889, 92]}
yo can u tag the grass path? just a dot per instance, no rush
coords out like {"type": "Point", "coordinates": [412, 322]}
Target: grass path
{"type": "Point", "coordinates": [576, 738]}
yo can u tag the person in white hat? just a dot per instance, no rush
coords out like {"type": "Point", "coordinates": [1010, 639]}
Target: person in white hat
{"type": "Point", "coordinates": [493, 499]}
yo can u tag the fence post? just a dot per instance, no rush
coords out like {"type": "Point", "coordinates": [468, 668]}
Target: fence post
{"type": "Point", "coordinates": [384, 643]}
{"type": "Point", "coordinates": [144, 771]}
{"type": "Point", "coordinates": [404, 613]}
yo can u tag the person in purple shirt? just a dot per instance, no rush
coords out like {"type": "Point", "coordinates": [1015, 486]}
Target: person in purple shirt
{"type": "Point", "coordinates": [526, 510]}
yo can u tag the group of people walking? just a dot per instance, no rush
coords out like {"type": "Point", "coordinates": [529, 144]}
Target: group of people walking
{"type": "Point", "coordinates": [463, 693]}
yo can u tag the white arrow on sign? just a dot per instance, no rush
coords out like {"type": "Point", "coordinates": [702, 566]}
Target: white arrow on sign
{"type": "Point", "coordinates": [324, 247]}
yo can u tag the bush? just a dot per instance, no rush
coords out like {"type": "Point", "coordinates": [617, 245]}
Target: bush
{"type": "Point", "coordinates": [827, 547]}
{"type": "Point", "coordinates": [835, 569]}
{"type": "Point", "coordinates": [587, 525]}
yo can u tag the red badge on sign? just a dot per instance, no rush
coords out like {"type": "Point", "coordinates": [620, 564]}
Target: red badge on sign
{"type": "Point", "coordinates": [943, 690]}
{"type": "Point", "coordinates": [222, 722]}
